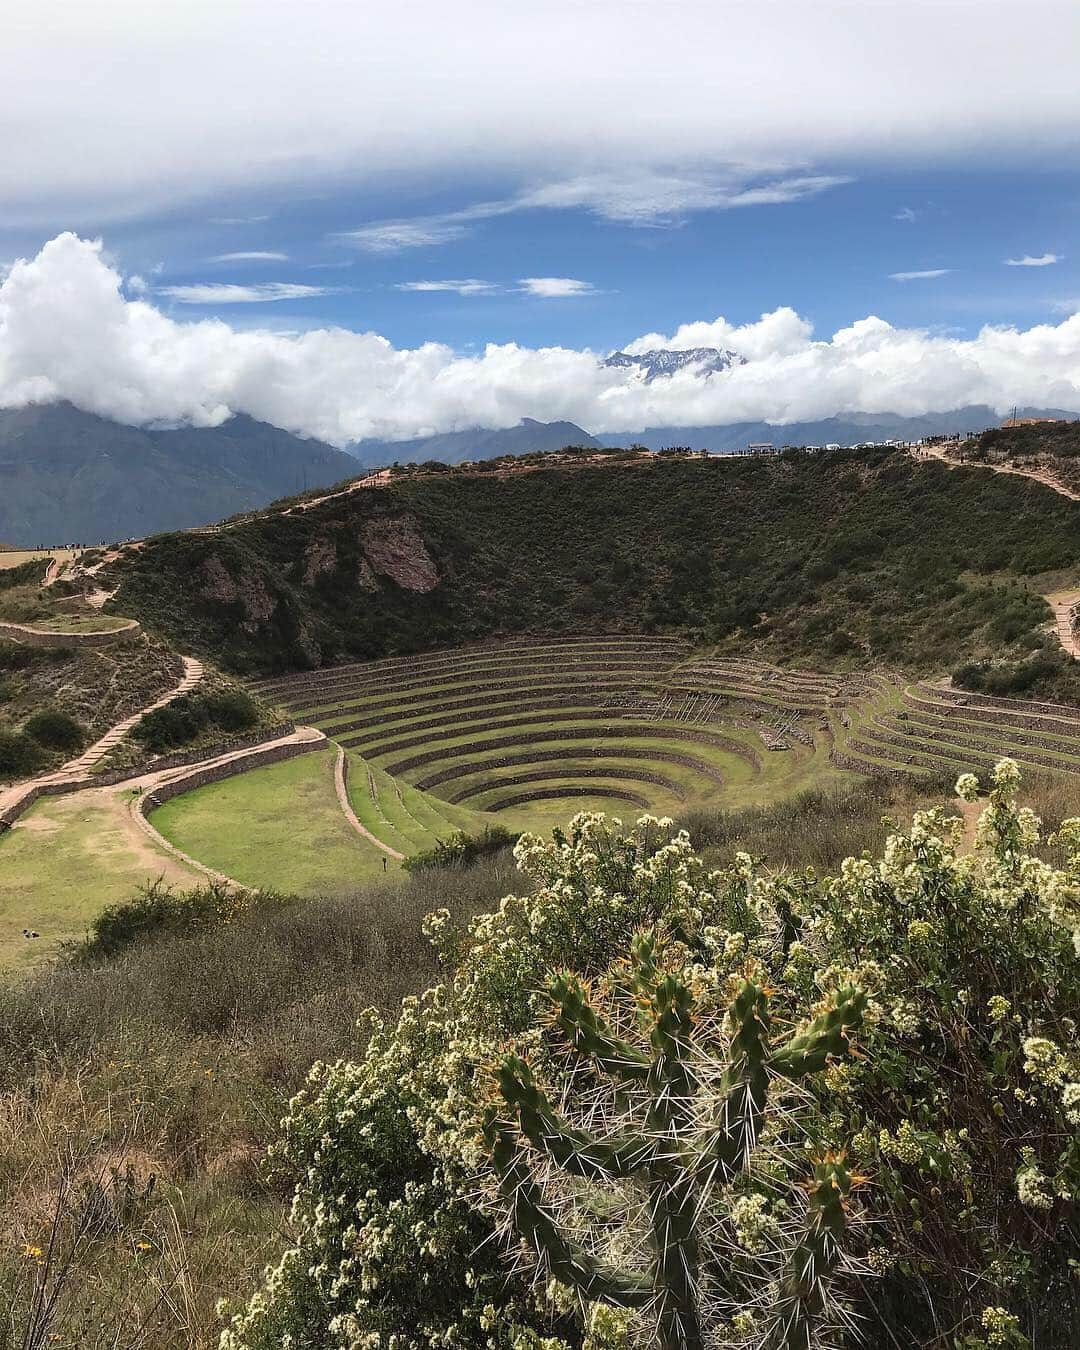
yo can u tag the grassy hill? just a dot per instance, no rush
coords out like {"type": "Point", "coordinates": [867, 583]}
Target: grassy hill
{"type": "Point", "coordinates": [834, 559]}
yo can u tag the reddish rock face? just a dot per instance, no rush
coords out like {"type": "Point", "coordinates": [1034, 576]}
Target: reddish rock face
{"type": "Point", "coordinates": [320, 556]}
{"type": "Point", "coordinates": [258, 603]}
{"type": "Point", "coordinates": [395, 549]}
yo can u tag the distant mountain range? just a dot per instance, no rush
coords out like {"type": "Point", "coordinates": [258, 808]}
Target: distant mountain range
{"type": "Point", "coordinates": [68, 475]}
{"type": "Point", "coordinates": [71, 476]}
{"type": "Point", "coordinates": [849, 429]}
{"type": "Point", "coordinates": [453, 446]}
{"type": "Point", "coordinates": [657, 365]}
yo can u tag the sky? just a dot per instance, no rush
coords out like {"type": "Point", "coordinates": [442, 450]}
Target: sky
{"type": "Point", "coordinates": [366, 220]}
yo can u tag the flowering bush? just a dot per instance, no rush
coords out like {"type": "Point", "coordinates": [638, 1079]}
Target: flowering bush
{"type": "Point", "coordinates": [963, 1105]}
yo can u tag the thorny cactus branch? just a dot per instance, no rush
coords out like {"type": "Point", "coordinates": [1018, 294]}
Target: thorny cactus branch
{"type": "Point", "coordinates": [590, 1035]}
{"type": "Point", "coordinates": [565, 1260]}
{"type": "Point", "coordinates": [815, 1258]}
{"type": "Point", "coordinates": [677, 1164]}
{"type": "Point", "coordinates": [573, 1150]}
{"type": "Point", "coordinates": [826, 1035]}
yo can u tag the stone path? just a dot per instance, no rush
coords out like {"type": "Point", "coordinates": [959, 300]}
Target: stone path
{"type": "Point", "coordinates": [1063, 603]}
{"type": "Point", "coordinates": [350, 814]}
{"type": "Point", "coordinates": [78, 768]}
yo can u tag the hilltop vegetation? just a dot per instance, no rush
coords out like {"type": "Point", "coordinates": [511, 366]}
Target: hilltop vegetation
{"type": "Point", "coordinates": [1050, 445]}
{"type": "Point", "coordinates": [834, 559]}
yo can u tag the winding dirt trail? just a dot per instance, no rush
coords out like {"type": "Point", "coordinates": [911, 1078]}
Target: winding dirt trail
{"type": "Point", "coordinates": [350, 814]}
{"type": "Point", "coordinates": [1043, 476]}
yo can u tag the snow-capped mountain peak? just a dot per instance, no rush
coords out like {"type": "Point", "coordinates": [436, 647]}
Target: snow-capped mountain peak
{"type": "Point", "coordinates": [665, 362]}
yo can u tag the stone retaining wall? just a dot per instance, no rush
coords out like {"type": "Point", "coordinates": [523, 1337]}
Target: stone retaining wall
{"type": "Point", "coordinates": [389, 665]}
{"type": "Point", "coordinates": [1022, 705]}
{"type": "Point", "coordinates": [1062, 725]}
{"type": "Point", "coordinates": [1022, 749]}
{"type": "Point", "coordinates": [395, 709]}
{"type": "Point", "coordinates": [855, 765]}
{"type": "Point", "coordinates": [568, 790]}
{"type": "Point", "coordinates": [37, 637]}
{"type": "Point", "coordinates": [470, 675]}
{"type": "Point", "coordinates": [215, 773]}
{"type": "Point", "coordinates": [462, 768]}
{"type": "Point", "coordinates": [548, 775]}
{"type": "Point", "coordinates": [174, 761]}
{"type": "Point", "coordinates": [648, 732]}
{"type": "Point", "coordinates": [480, 710]}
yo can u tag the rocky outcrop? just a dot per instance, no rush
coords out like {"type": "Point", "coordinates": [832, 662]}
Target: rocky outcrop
{"type": "Point", "coordinates": [250, 593]}
{"type": "Point", "coordinates": [395, 549]}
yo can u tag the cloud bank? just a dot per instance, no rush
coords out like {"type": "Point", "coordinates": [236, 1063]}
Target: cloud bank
{"type": "Point", "coordinates": [68, 331]}
{"type": "Point", "coordinates": [120, 107]}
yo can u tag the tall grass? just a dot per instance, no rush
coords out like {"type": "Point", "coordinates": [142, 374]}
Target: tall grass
{"type": "Point", "coordinates": [817, 828]}
{"type": "Point", "coordinates": [162, 1074]}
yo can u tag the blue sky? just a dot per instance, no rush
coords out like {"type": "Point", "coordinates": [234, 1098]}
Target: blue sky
{"type": "Point", "coordinates": [496, 192]}
{"type": "Point", "coordinates": [830, 256]}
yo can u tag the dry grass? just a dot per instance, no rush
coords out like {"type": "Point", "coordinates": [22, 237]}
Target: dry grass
{"type": "Point", "coordinates": [174, 1062]}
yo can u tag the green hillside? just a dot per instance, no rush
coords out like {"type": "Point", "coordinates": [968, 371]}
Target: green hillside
{"type": "Point", "coordinates": [834, 559]}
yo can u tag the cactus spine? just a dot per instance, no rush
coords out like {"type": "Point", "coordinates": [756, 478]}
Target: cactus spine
{"type": "Point", "coordinates": [677, 1159]}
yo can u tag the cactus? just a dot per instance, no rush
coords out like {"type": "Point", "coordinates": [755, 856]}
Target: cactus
{"type": "Point", "coordinates": [676, 1158]}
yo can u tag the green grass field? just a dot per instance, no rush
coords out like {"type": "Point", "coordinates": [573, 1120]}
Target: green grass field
{"type": "Point", "coordinates": [64, 861]}
{"type": "Point", "coordinates": [279, 827]}
{"type": "Point", "coordinates": [80, 623]}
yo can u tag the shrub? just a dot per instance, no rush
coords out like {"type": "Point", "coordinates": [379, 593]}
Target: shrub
{"type": "Point", "coordinates": [158, 909]}
{"type": "Point", "coordinates": [19, 755]}
{"type": "Point", "coordinates": [461, 849]}
{"type": "Point", "coordinates": [180, 721]}
{"type": "Point", "coordinates": [26, 574]}
{"type": "Point", "coordinates": [963, 1106]}
{"type": "Point", "coordinates": [55, 730]}
{"type": "Point", "coordinates": [171, 726]}
{"type": "Point", "coordinates": [231, 709]}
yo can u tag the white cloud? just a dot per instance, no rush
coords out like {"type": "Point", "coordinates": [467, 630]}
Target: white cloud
{"type": "Point", "coordinates": [224, 293]}
{"type": "Point", "coordinates": [238, 220]}
{"type": "Point", "coordinates": [1043, 260]}
{"type": "Point", "coordinates": [928, 274]}
{"type": "Point", "coordinates": [643, 197]}
{"type": "Point", "coordinates": [394, 236]}
{"type": "Point", "coordinates": [556, 288]}
{"type": "Point", "coordinates": [252, 255]}
{"type": "Point", "coordinates": [484, 91]}
{"type": "Point", "coordinates": [67, 330]}
{"type": "Point", "coordinates": [908, 214]}
{"type": "Point", "coordinates": [628, 197]}
{"type": "Point", "coordinates": [470, 286]}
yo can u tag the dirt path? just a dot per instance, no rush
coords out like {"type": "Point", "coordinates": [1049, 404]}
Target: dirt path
{"type": "Point", "coordinates": [350, 814]}
{"type": "Point", "coordinates": [1042, 476]}
{"type": "Point", "coordinates": [970, 813]}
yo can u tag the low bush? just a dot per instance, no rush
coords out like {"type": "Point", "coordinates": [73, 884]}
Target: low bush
{"type": "Point", "coordinates": [462, 849]}
{"type": "Point", "coordinates": [183, 719]}
{"type": "Point", "coordinates": [159, 909]}
{"type": "Point", "coordinates": [26, 574]}
{"type": "Point", "coordinates": [231, 709]}
{"type": "Point", "coordinates": [19, 755]}
{"type": "Point", "coordinates": [55, 730]}
{"type": "Point", "coordinates": [175, 724]}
